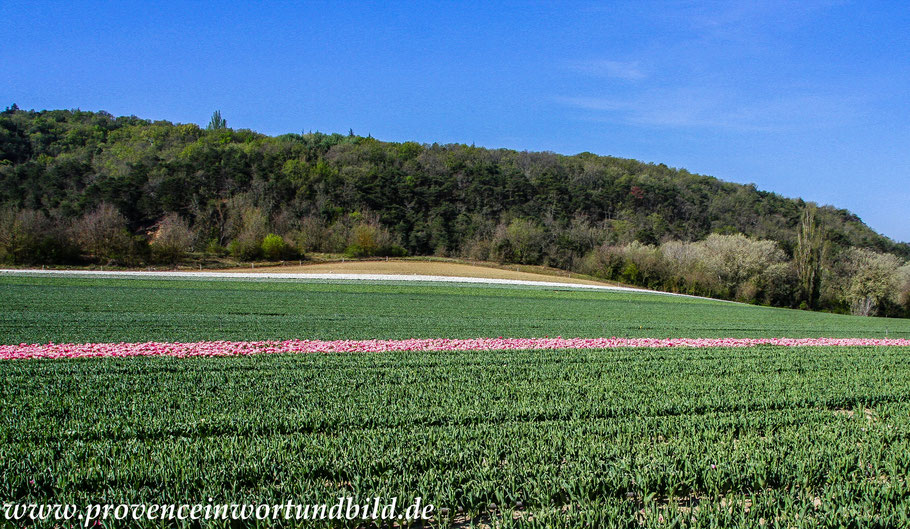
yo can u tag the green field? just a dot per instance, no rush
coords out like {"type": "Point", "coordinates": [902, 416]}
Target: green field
{"type": "Point", "coordinates": [620, 435]}
{"type": "Point", "coordinates": [765, 436]}
{"type": "Point", "coordinates": [41, 309]}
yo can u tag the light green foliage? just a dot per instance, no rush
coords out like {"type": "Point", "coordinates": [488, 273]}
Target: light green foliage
{"type": "Point", "coordinates": [274, 247]}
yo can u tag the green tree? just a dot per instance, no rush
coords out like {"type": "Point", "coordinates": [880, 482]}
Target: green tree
{"type": "Point", "coordinates": [274, 247]}
{"type": "Point", "coordinates": [808, 256]}
{"type": "Point", "coordinates": [217, 122]}
{"type": "Point", "coordinates": [521, 241]}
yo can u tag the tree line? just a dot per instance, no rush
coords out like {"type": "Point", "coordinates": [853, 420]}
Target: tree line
{"type": "Point", "coordinates": [83, 187]}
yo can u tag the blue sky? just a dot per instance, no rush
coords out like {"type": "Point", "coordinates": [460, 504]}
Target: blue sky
{"type": "Point", "coordinates": [802, 98]}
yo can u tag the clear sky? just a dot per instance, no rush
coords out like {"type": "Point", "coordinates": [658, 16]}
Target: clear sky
{"type": "Point", "coordinates": [804, 98]}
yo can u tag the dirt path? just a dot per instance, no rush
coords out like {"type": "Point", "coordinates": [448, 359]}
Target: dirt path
{"type": "Point", "coordinates": [410, 268]}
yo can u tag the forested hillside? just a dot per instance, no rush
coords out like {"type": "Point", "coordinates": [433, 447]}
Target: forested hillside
{"type": "Point", "coordinates": [90, 187]}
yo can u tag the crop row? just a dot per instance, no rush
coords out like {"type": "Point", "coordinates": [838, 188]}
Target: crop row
{"type": "Point", "coordinates": [223, 348]}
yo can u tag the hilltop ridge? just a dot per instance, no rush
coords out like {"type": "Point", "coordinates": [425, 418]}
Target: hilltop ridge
{"type": "Point", "coordinates": [226, 190]}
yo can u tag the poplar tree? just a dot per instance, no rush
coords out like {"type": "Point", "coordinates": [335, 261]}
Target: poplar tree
{"type": "Point", "coordinates": [810, 252]}
{"type": "Point", "coordinates": [217, 122]}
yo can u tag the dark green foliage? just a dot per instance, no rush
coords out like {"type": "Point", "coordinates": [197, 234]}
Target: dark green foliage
{"type": "Point", "coordinates": [245, 250]}
{"type": "Point", "coordinates": [432, 198]}
{"type": "Point", "coordinates": [358, 251]}
{"type": "Point", "coordinates": [217, 122]}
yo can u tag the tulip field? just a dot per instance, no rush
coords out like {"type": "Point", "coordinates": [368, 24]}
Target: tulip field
{"type": "Point", "coordinates": [500, 406]}
{"type": "Point", "coordinates": [102, 310]}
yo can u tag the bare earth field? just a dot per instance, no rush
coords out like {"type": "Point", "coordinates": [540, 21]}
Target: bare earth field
{"type": "Point", "coordinates": [409, 267]}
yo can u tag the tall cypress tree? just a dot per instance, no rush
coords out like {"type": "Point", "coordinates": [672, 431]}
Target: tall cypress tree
{"type": "Point", "coordinates": [217, 122]}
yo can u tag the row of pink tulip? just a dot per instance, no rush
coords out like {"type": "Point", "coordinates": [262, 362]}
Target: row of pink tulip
{"type": "Point", "coordinates": [225, 348]}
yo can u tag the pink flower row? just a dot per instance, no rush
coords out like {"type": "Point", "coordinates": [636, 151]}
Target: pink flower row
{"type": "Point", "coordinates": [224, 348]}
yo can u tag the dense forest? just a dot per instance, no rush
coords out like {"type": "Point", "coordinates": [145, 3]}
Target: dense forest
{"type": "Point", "coordinates": [88, 187]}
